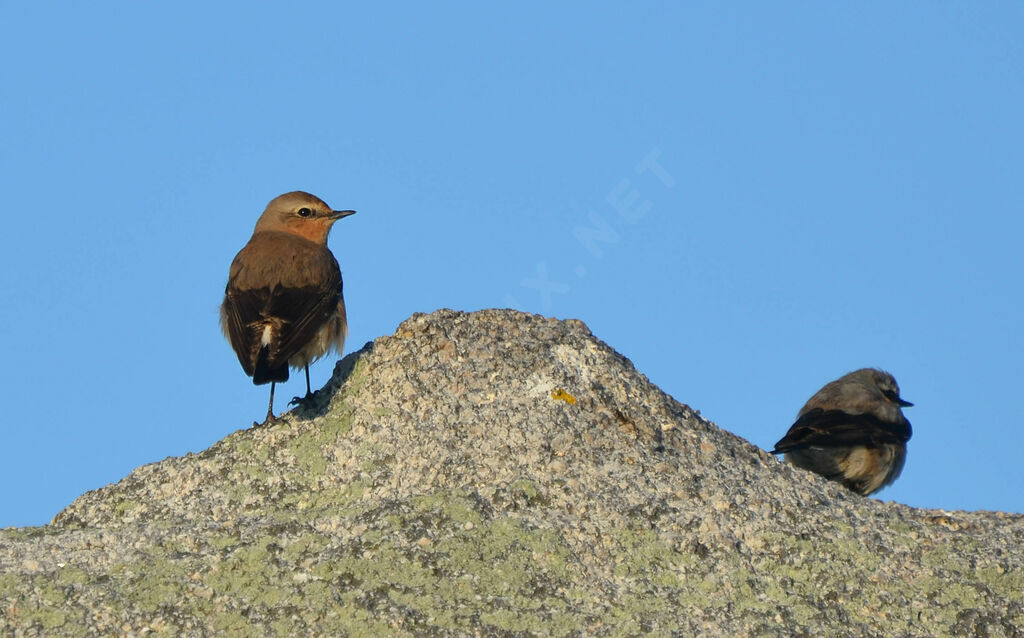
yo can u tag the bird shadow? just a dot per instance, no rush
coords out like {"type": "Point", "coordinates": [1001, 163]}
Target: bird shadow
{"type": "Point", "coordinates": [318, 403]}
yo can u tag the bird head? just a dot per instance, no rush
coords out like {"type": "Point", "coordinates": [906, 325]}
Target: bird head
{"type": "Point", "coordinates": [302, 214]}
{"type": "Point", "coordinates": [864, 391]}
{"type": "Point", "coordinates": [887, 385]}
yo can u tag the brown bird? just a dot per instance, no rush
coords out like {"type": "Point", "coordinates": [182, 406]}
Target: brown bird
{"type": "Point", "coordinates": [852, 431]}
{"type": "Point", "coordinates": [283, 304]}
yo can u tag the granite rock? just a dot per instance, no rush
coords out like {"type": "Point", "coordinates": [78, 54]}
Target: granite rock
{"type": "Point", "coordinates": [498, 473]}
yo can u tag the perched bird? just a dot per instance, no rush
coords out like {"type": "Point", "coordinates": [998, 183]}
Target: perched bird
{"type": "Point", "coordinates": [283, 304]}
{"type": "Point", "coordinates": [852, 431]}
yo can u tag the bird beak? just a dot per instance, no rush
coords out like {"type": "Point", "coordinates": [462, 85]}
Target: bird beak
{"type": "Point", "coordinates": [338, 214]}
{"type": "Point", "coordinates": [905, 404]}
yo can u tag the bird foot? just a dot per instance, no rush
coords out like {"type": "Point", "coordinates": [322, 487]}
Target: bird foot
{"type": "Point", "coordinates": [270, 420]}
{"type": "Point", "coordinates": [302, 400]}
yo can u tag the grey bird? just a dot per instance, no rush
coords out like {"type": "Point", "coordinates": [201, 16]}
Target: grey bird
{"type": "Point", "coordinates": [852, 431]}
{"type": "Point", "coordinates": [283, 304]}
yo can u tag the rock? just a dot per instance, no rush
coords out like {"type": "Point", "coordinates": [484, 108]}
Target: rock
{"type": "Point", "coordinates": [497, 473]}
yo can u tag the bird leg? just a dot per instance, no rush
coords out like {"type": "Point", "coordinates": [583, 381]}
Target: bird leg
{"type": "Point", "coordinates": [270, 409]}
{"type": "Point", "coordinates": [309, 393]}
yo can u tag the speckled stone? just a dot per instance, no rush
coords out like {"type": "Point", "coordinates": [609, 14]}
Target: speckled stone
{"type": "Point", "coordinates": [498, 473]}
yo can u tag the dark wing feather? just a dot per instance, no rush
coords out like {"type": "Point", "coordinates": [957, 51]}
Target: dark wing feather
{"type": "Point", "coordinates": [835, 428]}
{"type": "Point", "coordinates": [303, 311]}
{"type": "Point", "coordinates": [243, 310]}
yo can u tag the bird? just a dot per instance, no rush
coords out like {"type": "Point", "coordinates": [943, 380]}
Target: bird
{"type": "Point", "coordinates": [852, 431]}
{"type": "Point", "coordinates": [283, 304]}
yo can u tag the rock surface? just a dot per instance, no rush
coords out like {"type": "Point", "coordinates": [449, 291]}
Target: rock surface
{"type": "Point", "coordinates": [497, 473]}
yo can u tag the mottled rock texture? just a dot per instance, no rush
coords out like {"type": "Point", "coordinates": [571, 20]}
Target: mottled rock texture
{"type": "Point", "coordinates": [498, 473]}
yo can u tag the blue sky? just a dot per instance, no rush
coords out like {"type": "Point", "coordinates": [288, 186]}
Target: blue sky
{"type": "Point", "coordinates": [748, 201]}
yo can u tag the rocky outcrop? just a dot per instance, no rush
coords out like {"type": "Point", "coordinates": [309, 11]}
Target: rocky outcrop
{"type": "Point", "coordinates": [497, 473]}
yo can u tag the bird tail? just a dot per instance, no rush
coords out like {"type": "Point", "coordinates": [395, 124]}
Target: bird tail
{"type": "Point", "coordinates": [263, 373]}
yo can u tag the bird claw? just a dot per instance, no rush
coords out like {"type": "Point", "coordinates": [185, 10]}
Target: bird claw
{"type": "Point", "coordinates": [302, 400]}
{"type": "Point", "coordinates": [270, 420]}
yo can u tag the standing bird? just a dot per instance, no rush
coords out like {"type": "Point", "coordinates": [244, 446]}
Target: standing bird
{"type": "Point", "coordinates": [283, 304]}
{"type": "Point", "coordinates": [852, 431]}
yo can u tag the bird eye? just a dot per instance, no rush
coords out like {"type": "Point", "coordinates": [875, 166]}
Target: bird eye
{"type": "Point", "coordinates": [892, 395]}
{"type": "Point", "coordinates": [305, 212]}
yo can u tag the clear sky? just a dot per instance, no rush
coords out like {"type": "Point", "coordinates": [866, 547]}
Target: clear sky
{"type": "Point", "coordinates": [748, 201]}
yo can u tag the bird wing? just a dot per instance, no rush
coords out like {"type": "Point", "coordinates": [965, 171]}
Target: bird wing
{"type": "Point", "coordinates": [241, 311]}
{"type": "Point", "coordinates": [303, 312]}
{"type": "Point", "coordinates": [294, 308]}
{"type": "Point", "coordinates": [836, 428]}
